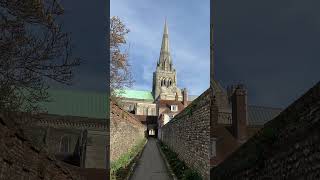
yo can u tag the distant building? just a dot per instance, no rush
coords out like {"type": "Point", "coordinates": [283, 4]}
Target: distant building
{"type": "Point", "coordinates": [165, 100]}
{"type": "Point", "coordinates": [235, 121]}
{"type": "Point", "coordinates": [73, 127]}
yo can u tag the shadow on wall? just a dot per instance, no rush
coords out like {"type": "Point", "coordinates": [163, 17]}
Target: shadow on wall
{"type": "Point", "coordinates": [290, 142]}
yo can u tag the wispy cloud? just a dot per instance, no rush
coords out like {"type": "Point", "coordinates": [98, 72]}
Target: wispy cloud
{"type": "Point", "coordinates": [188, 33]}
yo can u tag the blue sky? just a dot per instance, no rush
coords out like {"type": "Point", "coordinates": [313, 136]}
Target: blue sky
{"type": "Point", "coordinates": [189, 35]}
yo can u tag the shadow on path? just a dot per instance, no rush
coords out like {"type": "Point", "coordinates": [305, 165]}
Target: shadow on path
{"type": "Point", "coordinates": [151, 166]}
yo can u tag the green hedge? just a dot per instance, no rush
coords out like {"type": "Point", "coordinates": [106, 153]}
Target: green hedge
{"type": "Point", "coordinates": [120, 168]}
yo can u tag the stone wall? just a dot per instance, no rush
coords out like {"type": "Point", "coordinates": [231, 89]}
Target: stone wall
{"type": "Point", "coordinates": [93, 134]}
{"type": "Point", "coordinates": [125, 132]}
{"type": "Point", "coordinates": [188, 134]}
{"type": "Point", "coordinates": [288, 147]}
{"type": "Point", "coordinates": [20, 159]}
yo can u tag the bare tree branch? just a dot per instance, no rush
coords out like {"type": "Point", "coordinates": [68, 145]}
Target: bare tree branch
{"type": "Point", "coordinates": [120, 69]}
{"type": "Point", "coordinates": [33, 48]}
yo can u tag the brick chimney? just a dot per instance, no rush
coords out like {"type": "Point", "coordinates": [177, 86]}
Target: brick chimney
{"type": "Point", "coordinates": [185, 97]}
{"type": "Point", "coordinates": [239, 113]}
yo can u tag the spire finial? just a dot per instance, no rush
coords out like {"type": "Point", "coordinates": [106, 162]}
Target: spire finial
{"type": "Point", "coordinates": [165, 26]}
{"type": "Point", "coordinates": [165, 58]}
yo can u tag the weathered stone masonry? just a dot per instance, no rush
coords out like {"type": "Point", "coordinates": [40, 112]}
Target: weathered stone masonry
{"type": "Point", "coordinates": [188, 134]}
{"type": "Point", "coordinates": [20, 159]}
{"type": "Point", "coordinates": [125, 132]}
{"type": "Point", "coordinates": [288, 147]}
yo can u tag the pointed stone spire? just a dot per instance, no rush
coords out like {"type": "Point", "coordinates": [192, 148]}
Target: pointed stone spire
{"type": "Point", "coordinates": [165, 58]}
{"type": "Point", "coordinates": [165, 38]}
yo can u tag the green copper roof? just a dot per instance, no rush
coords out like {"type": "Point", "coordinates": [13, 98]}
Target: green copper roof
{"type": "Point", "coordinates": [136, 94]}
{"type": "Point", "coordinates": [77, 103]}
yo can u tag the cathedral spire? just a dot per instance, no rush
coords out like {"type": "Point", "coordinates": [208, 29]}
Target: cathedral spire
{"type": "Point", "coordinates": [165, 62]}
{"type": "Point", "coordinates": [165, 77]}
{"type": "Point", "coordinates": [165, 38]}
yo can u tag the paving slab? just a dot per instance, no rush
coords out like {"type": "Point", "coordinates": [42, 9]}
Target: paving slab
{"type": "Point", "coordinates": [151, 165]}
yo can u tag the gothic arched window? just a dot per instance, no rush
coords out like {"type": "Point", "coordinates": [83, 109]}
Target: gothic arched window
{"type": "Point", "coordinates": [65, 144]}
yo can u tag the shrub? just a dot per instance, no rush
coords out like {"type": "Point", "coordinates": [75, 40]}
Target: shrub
{"type": "Point", "coordinates": [191, 175]}
{"type": "Point", "coordinates": [179, 168]}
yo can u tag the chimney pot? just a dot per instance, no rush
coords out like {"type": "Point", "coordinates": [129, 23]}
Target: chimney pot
{"type": "Point", "coordinates": [239, 113]}
{"type": "Point", "coordinates": [185, 97]}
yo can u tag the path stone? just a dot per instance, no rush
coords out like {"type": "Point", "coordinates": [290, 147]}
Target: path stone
{"type": "Point", "coordinates": [151, 165]}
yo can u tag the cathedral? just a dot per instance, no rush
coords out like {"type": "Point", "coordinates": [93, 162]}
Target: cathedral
{"type": "Point", "coordinates": [166, 99]}
{"type": "Point", "coordinates": [165, 77]}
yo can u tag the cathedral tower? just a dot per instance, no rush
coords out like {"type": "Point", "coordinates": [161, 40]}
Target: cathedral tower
{"type": "Point", "coordinates": [165, 78]}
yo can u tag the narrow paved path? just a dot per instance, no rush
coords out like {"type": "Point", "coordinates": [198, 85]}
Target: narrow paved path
{"type": "Point", "coordinates": [151, 166]}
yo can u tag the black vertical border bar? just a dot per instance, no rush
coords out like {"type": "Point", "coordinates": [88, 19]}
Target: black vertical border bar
{"type": "Point", "coordinates": [107, 18]}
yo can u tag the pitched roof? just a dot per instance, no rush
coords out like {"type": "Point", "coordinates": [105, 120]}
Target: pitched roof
{"type": "Point", "coordinates": [77, 103]}
{"type": "Point", "coordinates": [226, 143]}
{"type": "Point", "coordinates": [297, 125]}
{"type": "Point", "coordinates": [259, 115]}
{"type": "Point", "coordinates": [166, 105]}
{"type": "Point", "coordinates": [135, 94]}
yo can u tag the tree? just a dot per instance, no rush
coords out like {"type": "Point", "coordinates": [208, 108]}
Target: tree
{"type": "Point", "coordinates": [120, 74]}
{"type": "Point", "coordinates": [33, 49]}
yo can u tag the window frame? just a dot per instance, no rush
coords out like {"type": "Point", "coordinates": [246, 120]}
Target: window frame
{"type": "Point", "coordinates": [174, 108]}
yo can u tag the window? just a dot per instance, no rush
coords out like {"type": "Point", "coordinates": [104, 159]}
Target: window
{"type": "Point", "coordinates": [131, 107]}
{"type": "Point", "coordinates": [64, 144]}
{"type": "Point", "coordinates": [213, 148]}
{"type": "Point", "coordinates": [174, 108]}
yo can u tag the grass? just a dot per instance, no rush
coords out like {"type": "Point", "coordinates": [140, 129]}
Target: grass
{"type": "Point", "coordinates": [120, 168]}
{"type": "Point", "coordinates": [179, 168]}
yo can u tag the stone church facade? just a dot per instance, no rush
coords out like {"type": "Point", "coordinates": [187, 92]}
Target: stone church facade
{"type": "Point", "coordinates": [69, 134]}
{"type": "Point", "coordinates": [72, 127]}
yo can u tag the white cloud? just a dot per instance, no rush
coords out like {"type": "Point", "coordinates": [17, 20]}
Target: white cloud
{"type": "Point", "coordinates": [189, 43]}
